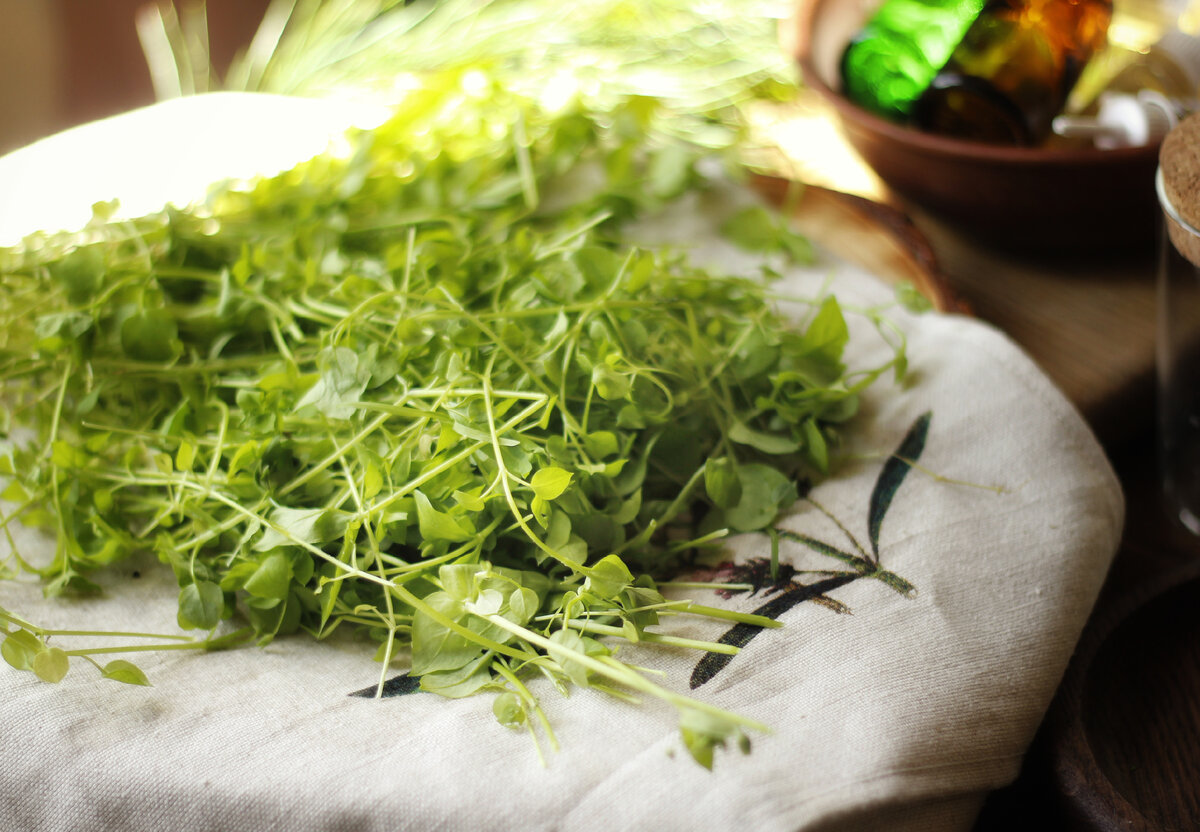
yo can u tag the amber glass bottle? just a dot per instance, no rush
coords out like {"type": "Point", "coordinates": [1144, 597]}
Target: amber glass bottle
{"type": "Point", "coordinates": [1013, 70]}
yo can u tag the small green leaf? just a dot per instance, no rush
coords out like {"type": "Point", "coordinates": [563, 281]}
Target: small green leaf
{"type": "Point", "coordinates": [102, 499]}
{"type": "Point", "coordinates": [558, 529]}
{"type": "Point", "coordinates": [827, 334]}
{"type": "Point", "coordinates": [630, 416]}
{"type": "Point", "coordinates": [14, 492]}
{"type": "Point", "coordinates": [765, 493]}
{"type": "Point", "coordinates": [469, 500]}
{"type": "Point", "coordinates": [438, 525]}
{"type": "Point", "coordinates": [461, 681]}
{"type": "Point", "coordinates": [490, 602]}
{"type": "Point", "coordinates": [339, 387]}
{"type": "Point", "coordinates": [721, 482]}
{"type": "Point", "coordinates": [516, 460]}
{"type": "Point", "coordinates": [541, 511]}
{"type": "Point", "coordinates": [508, 711]}
{"type": "Point", "coordinates": [81, 272]}
{"type": "Point", "coordinates": [20, 648]}
{"type": "Point", "coordinates": [200, 605]}
{"type": "Point", "coordinates": [458, 580]}
{"type": "Point", "coordinates": [436, 647]}
{"type": "Point", "coordinates": [523, 604]}
{"type": "Point", "coordinates": [244, 456]}
{"type": "Point", "coordinates": [51, 664]}
{"type": "Point", "coordinates": [151, 335]}
{"type": "Point", "coordinates": [185, 456]}
{"type": "Point", "coordinates": [816, 449]}
{"type": "Point", "coordinates": [911, 298]}
{"type": "Point", "coordinates": [372, 481]}
{"type": "Point", "coordinates": [271, 579]}
{"type": "Point", "coordinates": [601, 444]}
{"type": "Point", "coordinates": [629, 509]}
{"type": "Point", "coordinates": [575, 549]}
{"type": "Point", "coordinates": [125, 672]}
{"type": "Point", "coordinates": [65, 455]}
{"type": "Point", "coordinates": [301, 525]}
{"type": "Point", "coordinates": [768, 443]}
{"type": "Point", "coordinates": [609, 577]}
{"type": "Point", "coordinates": [573, 642]}
{"type": "Point", "coordinates": [609, 383]}
{"type": "Point", "coordinates": [703, 732]}
{"type": "Point", "coordinates": [549, 483]}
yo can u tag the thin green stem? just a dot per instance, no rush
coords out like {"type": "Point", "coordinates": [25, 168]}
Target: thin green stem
{"type": "Point", "coordinates": [652, 638]}
{"type": "Point", "coordinates": [505, 476]}
{"type": "Point", "coordinates": [523, 692]}
{"type": "Point", "coordinates": [615, 671]}
{"type": "Point", "coordinates": [732, 615]}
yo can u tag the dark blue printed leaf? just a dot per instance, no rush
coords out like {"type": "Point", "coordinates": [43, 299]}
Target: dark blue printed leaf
{"type": "Point", "coordinates": [739, 635]}
{"type": "Point", "coordinates": [395, 686]}
{"type": "Point", "coordinates": [893, 474]}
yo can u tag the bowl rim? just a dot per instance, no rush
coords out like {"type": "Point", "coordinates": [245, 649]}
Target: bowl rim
{"type": "Point", "coordinates": [805, 14]}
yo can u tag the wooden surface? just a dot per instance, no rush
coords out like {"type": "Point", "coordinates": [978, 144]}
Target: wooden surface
{"type": "Point", "coordinates": [1087, 318]}
{"type": "Point", "coordinates": [1125, 751]}
{"type": "Point", "coordinates": [880, 238]}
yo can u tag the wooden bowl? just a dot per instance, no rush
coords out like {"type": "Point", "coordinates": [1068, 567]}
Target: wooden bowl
{"type": "Point", "coordinates": [1123, 726]}
{"type": "Point", "coordinates": [1020, 197]}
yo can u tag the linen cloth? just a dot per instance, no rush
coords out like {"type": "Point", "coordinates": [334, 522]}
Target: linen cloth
{"type": "Point", "coordinates": [887, 709]}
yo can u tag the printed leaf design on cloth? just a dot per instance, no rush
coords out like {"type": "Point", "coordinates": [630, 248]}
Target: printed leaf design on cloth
{"type": "Point", "coordinates": [741, 634]}
{"type": "Point", "coordinates": [396, 686]}
{"type": "Point", "coordinates": [762, 573]}
{"type": "Point", "coordinates": [894, 471]}
{"type": "Point", "coordinates": [864, 567]}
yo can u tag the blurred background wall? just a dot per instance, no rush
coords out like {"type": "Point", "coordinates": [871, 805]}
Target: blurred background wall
{"type": "Point", "coordinates": [64, 62]}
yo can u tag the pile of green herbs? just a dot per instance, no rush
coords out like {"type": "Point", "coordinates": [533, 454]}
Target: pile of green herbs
{"type": "Point", "coordinates": [423, 391]}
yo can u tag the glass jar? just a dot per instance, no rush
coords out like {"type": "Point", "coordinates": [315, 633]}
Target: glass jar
{"type": "Point", "coordinates": [1179, 351]}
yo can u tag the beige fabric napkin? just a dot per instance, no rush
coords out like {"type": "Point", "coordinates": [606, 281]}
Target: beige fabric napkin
{"type": "Point", "coordinates": [896, 700]}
